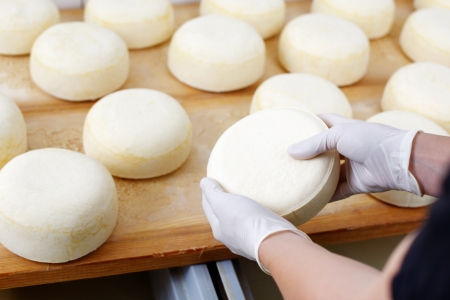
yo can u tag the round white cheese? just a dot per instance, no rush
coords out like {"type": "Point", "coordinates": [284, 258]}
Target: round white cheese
{"type": "Point", "coordinates": [426, 36]}
{"type": "Point", "coordinates": [138, 133]}
{"type": "Point", "coordinates": [13, 132]}
{"type": "Point", "coordinates": [300, 90]}
{"type": "Point", "coordinates": [266, 16]}
{"type": "Point", "coordinates": [140, 23]}
{"type": "Point", "coordinates": [422, 88]}
{"type": "Point", "coordinates": [22, 21]}
{"type": "Point", "coordinates": [375, 18]}
{"type": "Point", "coordinates": [406, 120]}
{"type": "Point", "coordinates": [79, 61]}
{"type": "Point", "coordinates": [251, 159]}
{"type": "Point", "coordinates": [325, 45]}
{"type": "Point", "coordinates": [56, 205]}
{"type": "Point", "coordinates": [419, 4]}
{"type": "Point", "coordinates": [217, 54]}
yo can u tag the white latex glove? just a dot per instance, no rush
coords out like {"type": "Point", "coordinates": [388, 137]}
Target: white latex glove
{"type": "Point", "coordinates": [240, 222]}
{"type": "Point", "coordinates": [376, 155]}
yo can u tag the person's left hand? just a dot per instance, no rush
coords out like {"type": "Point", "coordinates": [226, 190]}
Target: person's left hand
{"type": "Point", "coordinates": [240, 222]}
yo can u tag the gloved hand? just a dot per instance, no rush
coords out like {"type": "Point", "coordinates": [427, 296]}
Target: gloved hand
{"type": "Point", "coordinates": [240, 222]}
{"type": "Point", "coordinates": [376, 155]}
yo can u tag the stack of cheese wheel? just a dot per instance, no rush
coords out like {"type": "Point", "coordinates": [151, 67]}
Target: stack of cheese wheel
{"type": "Point", "coordinates": [419, 4]}
{"type": "Point", "coordinates": [13, 132]}
{"type": "Point", "coordinates": [309, 92]}
{"type": "Point", "coordinates": [251, 159]}
{"type": "Point", "coordinates": [138, 133]}
{"type": "Point", "coordinates": [422, 88]}
{"type": "Point", "coordinates": [266, 16]}
{"type": "Point", "coordinates": [325, 45]}
{"type": "Point", "coordinates": [217, 54]}
{"type": "Point", "coordinates": [22, 21]}
{"type": "Point", "coordinates": [426, 36]}
{"type": "Point", "coordinates": [374, 17]}
{"type": "Point", "coordinates": [79, 61]}
{"type": "Point", "coordinates": [140, 23]}
{"type": "Point", "coordinates": [56, 205]}
{"type": "Point", "coordinates": [406, 120]}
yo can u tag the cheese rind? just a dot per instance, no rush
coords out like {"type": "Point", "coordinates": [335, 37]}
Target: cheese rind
{"type": "Point", "coordinates": [56, 205]}
{"type": "Point", "coordinates": [425, 37]}
{"type": "Point", "coordinates": [419, 4]}
{"type": "Point", "coordinates": [22, 21]}
{"type": "Point", "coordinates": [326, 46]}
{"type": "Point", "coordinates": [406, 120]}
{"type": "Point", "coordinates": [138, 133]}
{"type": "Point", "coordinates": [422, 88]}
{"type": "Point", "coordinates": [266, 16]}
{"type": "Point", "coordinates": [13, 131]}
{"type": "Point", "coordinates": [375, 18]}
{"type": "Point", "coordinates": [217, 54]}
{"type": "Point", "coordinates": [309, 92]}
{"type": "Point", "coordinates": [251, 159]}
{"type": "Point", "coordinates": [139, 23]}
{"type": "Point", "coordinates": [79, 61]}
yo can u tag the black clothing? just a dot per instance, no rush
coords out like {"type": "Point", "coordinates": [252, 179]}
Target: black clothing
{"type": "Point", "coordinates": [425, 272]}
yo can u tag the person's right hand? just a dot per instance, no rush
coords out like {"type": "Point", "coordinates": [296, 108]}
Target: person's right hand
{"type": "Point", "coordinates": [376, 156]}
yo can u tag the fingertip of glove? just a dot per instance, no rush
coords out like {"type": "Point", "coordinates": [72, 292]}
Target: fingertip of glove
{"type": "Point", "coordinates": [295, 151]}
{"type": "Point", "coordinates": [208, 184]}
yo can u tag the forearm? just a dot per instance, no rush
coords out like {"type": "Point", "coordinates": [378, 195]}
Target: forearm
{"type": "Point", "coordinates": [304, 270]}
{"type": "Point", "coordinates": [430, 158]}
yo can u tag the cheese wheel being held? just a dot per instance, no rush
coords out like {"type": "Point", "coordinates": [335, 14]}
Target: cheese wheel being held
{"type": "Point", "coordinates": [140, 23]}
{"type": "Point", "coordinates": [419, 4]}
{"type": "Point", "coordinates": [251, 159]}
{"type": "Point", "coordinates": [375, 18]}
{"type": "Point", "coordinates": [13, 131]}
{"type": "Point", "coordinates": [79, 61]}
{"type": "Point", "coordinates": [309, 92]}
{"type": "Point", "coordinates": [406, 120]}
{"type": "Point", "coordinates": [217, 54]}
{"type": "Point", "coordinates": [422, 88]}
{"type": "Point", "coordinates": [56, 205]}
{"type": "Point", "coordinates": [425, 37]}
{"type": "Point", "coordinates": [266, 16]}
{"type": "Point", "coordinates": [22, 21]}
{"type": "Point", "coordinates": [326, 46]}
{"type": "Point", "coordinates": [138, 133]}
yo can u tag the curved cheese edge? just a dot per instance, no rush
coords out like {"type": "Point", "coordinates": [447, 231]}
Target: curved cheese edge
{"type": "Point", "coordinates": [216, 54]}
{"type": "Point", "coordinates": [138, 133]}
{"type": "Point", "coordinates": [251, 159]}
{"type": "Point", "coordinates": [326, 46]}
{"type": "Point", "coordinates": [300, 90]}
{"type": "Point", "coordinates": [56, 205]}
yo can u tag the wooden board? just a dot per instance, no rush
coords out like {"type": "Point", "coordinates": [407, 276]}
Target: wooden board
{"type": "Point", "coordinates": [161, 222]}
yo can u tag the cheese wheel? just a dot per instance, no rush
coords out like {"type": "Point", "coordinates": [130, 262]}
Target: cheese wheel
{"type": "Point", "coordinates": [138, 133]}
{"type": "Point", "coordinates": [22, 21]}
{"type": "Point", "coordinates": [300, 90]}
{"type": "Point", "coordinates": [140, 23]}
{"type": "Point", "coordinates": [251, 159]}
{"type": "Point", "coordinates": [419, 4]}
{"type": "Point", "coordinates": [422, 88]}
{"type": "Point", "coordinates": [13, 132]}
{"type": "Point", "coordinates": [406, 120]}
{"type": "Point", "coordinates": [426, 36]}
{"type": "Point", "coordinates": [325, 45]}
{"type": "Point", "coordinates": [56, 205]}
{"type": "Point", "coordinates": [375, 18]}
{"type": "Point", "coordinates": [79, 61]}
{"type": "Point", "coordinates": [266, 16]}
{"type": "Point", "coordinates": [217, 54]}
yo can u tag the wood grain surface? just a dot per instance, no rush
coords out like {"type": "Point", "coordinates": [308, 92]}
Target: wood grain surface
{"type": "Point", "coordinates": [161, 222]}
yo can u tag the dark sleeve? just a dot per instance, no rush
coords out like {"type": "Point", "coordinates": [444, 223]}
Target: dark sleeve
{"type": "Point", "coordinates": [425, 272]}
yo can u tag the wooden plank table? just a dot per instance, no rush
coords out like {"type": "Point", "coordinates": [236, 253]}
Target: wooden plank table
{"type": "Point", "coordinates": [161, 223]}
